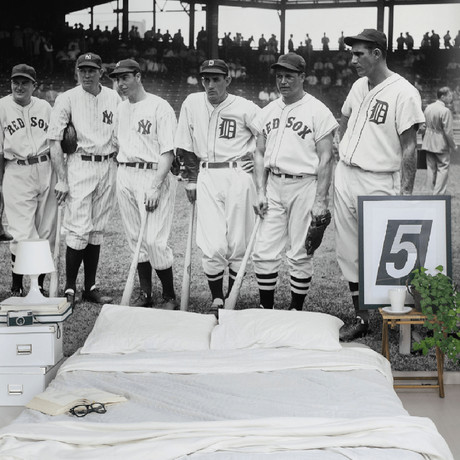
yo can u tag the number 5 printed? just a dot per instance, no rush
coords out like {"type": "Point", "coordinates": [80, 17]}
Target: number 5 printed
{"type": "Point", "coordinates": [404, 249]}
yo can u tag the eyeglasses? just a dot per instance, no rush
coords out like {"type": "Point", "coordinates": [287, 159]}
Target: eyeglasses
{"type": "Point", "coordinates": [83, 409]}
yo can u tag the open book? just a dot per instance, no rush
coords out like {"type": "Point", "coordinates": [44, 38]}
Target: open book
{"type": "Point", "coordinates": [53, 402]}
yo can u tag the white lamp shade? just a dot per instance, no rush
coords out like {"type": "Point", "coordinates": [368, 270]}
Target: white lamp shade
{"type": "Point", "coordinates": [33, 257]}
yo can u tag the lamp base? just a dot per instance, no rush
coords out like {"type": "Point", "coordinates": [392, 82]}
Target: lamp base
{"type": "Point", "coordinates": [34, 296]}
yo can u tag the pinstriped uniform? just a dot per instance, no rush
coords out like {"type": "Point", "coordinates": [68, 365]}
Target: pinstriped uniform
{"type": "Point", "coordinates": [146, 131]}
{"type": "Point", "coordinates": [224, 196]}
{"type": "Point", "coordinates": [30, 204]}
{"type": "Point", "coordinates": [91, 183]}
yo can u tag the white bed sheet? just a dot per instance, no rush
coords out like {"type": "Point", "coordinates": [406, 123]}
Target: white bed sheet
{"type": "Point", "coordinates": [194, 400]}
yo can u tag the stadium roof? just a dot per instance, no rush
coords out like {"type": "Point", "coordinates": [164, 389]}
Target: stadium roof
{"type": "Point", "coordinates": [75, 5]}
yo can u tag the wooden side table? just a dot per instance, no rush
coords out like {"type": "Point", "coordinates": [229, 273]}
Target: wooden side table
{"type": "Point", "coordinates": [413, 317]}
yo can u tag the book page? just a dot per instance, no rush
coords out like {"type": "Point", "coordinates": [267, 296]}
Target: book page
{"type": "Point", "coordinates": [59, 402]}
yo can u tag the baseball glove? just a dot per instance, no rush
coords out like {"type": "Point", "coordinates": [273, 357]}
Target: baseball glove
{"type": "Point", "coordinates": [69, 139]}
{"type": "Point", "coordinates": [316, 231]}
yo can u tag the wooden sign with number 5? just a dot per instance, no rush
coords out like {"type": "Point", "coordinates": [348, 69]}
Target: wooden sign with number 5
{"type": "Point", "coordinates": [396, 235]}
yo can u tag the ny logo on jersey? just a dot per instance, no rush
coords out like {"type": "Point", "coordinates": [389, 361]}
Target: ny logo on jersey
{"type": "Point", "coordinates": [227, 129]}
{"type": "Point", "coordinates": [144, 126]}
{"type": "Point", "coordinates": [107, 117]}
{"type": "Point", "coordinates": [379, 112]}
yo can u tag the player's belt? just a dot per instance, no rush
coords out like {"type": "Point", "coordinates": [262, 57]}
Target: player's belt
{"type": "Point", "coordinates": [34, 160]}
{"type": "Point", "coordinates": [140, 165]}
{"type": "Point", "coordinates": [97, 158]}
{"type": "Point", "coordinates": [219, 165]}
{"type": "Point", "coordinates": [287, 176]}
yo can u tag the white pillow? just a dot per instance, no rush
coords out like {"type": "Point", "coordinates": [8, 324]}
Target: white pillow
{"type": "Point", "coordinates": [121, 329]}
{"type": "Point", "coordinates": [259, 328]}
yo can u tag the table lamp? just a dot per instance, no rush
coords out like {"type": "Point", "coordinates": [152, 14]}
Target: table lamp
{"type": "Point", "coordinates": [33, 257]}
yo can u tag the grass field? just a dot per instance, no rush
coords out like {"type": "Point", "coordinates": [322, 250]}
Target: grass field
{"type": "Point", "coordinates": [329, 293]}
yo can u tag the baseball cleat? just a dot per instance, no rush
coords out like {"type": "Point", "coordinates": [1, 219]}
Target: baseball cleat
{"type": "Point", "coordinates": [216, 304]}
{"type": "Point", "coordinates": [357, 331]}
{"type": "Point", "coordinates": [143, 300]}
{"type": "Point", "coordinates": [95, 296]}
{"type": "Point", "coordinates": [16, 291]}
{"type": "Point", "coordinates": [168, 304]}
{"type": "Point", "coordinates": [5, 238]}
{"type": "Point", "coordinates": [70, 296]}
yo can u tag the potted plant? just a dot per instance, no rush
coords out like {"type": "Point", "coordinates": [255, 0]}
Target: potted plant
{"type": "Point", "coordinates": [440, 303]}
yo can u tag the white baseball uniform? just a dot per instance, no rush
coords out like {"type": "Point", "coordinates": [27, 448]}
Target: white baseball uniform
{"type": "Point", "coordinates": [291, 132]}
{"type": "Point", "coordinates": [370, 155]}
{"type": "Point", "coordinates": [91, 169]}
{"type": "Point", "coordinates": [28, 183]}
{"type": "Point", "coordinates": [221, 136]}
{"type": "Point", "coordinates": [146, 131]}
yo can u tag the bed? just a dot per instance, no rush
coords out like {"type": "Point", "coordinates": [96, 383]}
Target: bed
{"type": "Point", "coordinates": [259, 384]}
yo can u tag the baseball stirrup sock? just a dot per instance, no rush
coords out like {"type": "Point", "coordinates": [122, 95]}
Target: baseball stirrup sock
{"type": "Point", "coordinates": [17, 279]}
{"type": "Point", "coordinates": [299, 290]}
{"type": "Point", "coordinates": [354, 291]}
{"type": "Point", "coordinates": [144, 271]}
{"type": "Point", "coordinates": [73, 259]}
{"type": "Point", "coordinates": [216, 285]}
{"type": "Point", "coordinates": [231, 280]}
{"type": "Point", "coordinates": [167, 282]}
{"type": "Point", "coordinates": [267, 284]}
{"type": "Point", "coordinates": [90, 263]}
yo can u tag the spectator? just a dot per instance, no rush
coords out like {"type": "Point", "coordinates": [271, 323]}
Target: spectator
{"type": "Point", "coordinates": [341, 42]}
{"type": "Point", "coordinates": [273, 44]}
{"type": "Point", "coordinates": [262, 43]}
{"type": "Point", "coordinates": [447, 39]}
{"type": "Point", "coordinates": [435, 40]}
{"type": "Point", "coordinates": [409, 41]}
{"type": "Point", "coordinates": [438, 141]}
{"type": "Point", "coordinates": [192, 80]}
{"type": "Point", "coordinates": [457, 40]}
{"type": "Point", "coordinates": [48, 58]}
{"type": "Point", "coordinates": [291, 44]}
{"type": "Point", "coordinates": [425, 44]}
{"type": "Point", "coordinates": [325, 42]}
{"type": "Point", "coordinates": [400, 42]}
{"type": "Point", "coordinates": [264, 96]}
{"type": "Point", "coordinates": [274, 94]}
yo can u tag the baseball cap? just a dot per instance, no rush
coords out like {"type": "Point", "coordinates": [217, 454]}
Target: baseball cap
{"type": "Point", "coordinates": [124, 66]}
{"type": "Point", "coordinates": [24, 70]}
{"type": "Point", "coordinates": [89, 60]}
{"type": "Point", "coordinates": [369, 35]}
{"type": "Point", "coordinates": [214, 66]}
{"type": "Point", "coordinates": [290, 61]}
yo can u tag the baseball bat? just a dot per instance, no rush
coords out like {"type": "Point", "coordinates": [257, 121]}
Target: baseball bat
{"type": "Point", "coordinates": [54, 279]}
{"type": "Point", "coordinates": [232, 298]}
{"type": "Point", "coordinates": [185, 294]}
{"type": "Point", "coordinates": [127, 292]}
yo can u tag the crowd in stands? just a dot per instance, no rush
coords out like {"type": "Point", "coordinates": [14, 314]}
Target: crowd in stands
{"type": "Point", "coordinates": [162, 53]}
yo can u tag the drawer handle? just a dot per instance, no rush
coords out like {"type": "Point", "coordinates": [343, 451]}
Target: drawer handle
{"type": "Point", "coordinates": [15, 389]}
{"type": "Point", "coordinates": [24, 349]}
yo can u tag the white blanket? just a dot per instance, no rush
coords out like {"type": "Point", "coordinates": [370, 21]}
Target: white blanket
{"type": "Point", "coordinates": [165, 441]}
{"type": "Point", "coordinates": [241, 401]}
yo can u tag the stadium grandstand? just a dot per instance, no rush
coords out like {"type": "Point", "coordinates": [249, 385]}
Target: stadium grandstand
{"type": "Point", "coordinates": [36, 32]}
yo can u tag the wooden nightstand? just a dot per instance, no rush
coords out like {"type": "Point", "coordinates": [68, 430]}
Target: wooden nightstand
{"type": "Point", "coordinates": [413, 317]}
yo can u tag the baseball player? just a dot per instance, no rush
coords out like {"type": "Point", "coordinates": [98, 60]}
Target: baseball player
{"type": "Point", "coordinates": [217, 141]}
{"type": "Point", "coordinates": [25, 167]}
{"type": "Point", "coordinates": [146, 128]}
{"type": "Point", "coordinates": [293, 168]}
{"type": "Point", "coordinates": [377, 151]}
{"type": "Point", "coordinates": [438, 141]}
{"type": "Point", "coordinates": [86, 180]}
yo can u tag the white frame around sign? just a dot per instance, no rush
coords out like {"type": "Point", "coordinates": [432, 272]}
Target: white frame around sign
{"type": "Point", "coordinates": [396, 235]}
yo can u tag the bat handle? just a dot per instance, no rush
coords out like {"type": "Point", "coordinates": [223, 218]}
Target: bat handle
{"type": "Point", "coordinates": [232, 298]}
{"type": "Point", "coordinates": [185, 294]}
